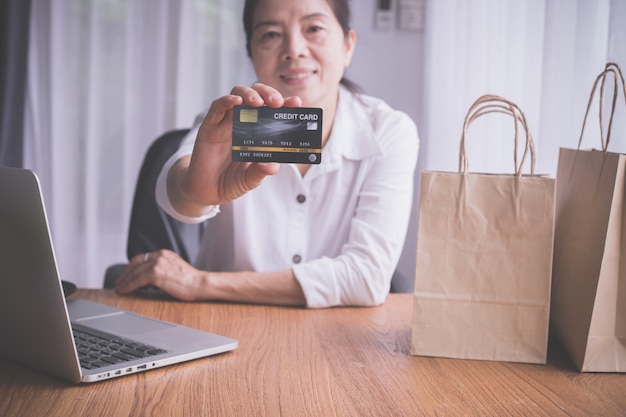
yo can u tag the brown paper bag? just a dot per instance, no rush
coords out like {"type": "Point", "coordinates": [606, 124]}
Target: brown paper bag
{"type": "Point", "coordinates": [589, 278]}
{"type": "Point", "coordinates": [484, 257]}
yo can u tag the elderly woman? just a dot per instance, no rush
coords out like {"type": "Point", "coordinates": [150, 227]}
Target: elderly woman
{"type": "Point", "coordinates": [291, 234]}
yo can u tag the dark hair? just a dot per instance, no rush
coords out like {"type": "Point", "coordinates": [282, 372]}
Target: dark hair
{"type": "Point", "coordinates": [341, 9]}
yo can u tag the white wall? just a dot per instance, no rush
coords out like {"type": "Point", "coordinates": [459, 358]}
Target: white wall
{"type": "Point", "coordinates": [389, 64]}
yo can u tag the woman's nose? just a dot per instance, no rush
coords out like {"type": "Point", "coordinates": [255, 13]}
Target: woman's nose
{"type": "Point", "coordinates": [295, 46]}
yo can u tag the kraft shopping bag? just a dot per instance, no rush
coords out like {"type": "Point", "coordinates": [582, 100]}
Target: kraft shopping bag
{"type": "Point", "coordinates": [589, 277]}
{"type": "Point", "coordinates": [484, 256]}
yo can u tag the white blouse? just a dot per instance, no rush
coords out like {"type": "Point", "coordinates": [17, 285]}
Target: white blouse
{"type": "Point", "coordinates": [341, 227]}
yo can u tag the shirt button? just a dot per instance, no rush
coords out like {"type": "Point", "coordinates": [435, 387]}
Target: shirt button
{"type": "Point", "coordinates": [301, 198]}
{"type": "Point", "coordinates": [296, 259]}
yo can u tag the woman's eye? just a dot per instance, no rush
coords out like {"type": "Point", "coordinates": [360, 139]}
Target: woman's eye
{"type": "Point", "coordinates": [270, 35]}
{"type": "Point", "coordinates": [314, 29]}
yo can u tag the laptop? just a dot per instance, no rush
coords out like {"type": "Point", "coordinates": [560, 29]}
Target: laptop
{"type": "Point", "coordinates": [69, 339]}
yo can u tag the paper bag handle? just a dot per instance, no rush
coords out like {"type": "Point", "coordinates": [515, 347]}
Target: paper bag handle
{"type": "Point", "coordinates": [490, 103]}
{"type": "Point", "coordinates": [618, 75]}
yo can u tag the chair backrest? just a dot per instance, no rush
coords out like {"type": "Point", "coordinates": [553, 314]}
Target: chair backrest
{"type": "Point", "coordinates": [150, 227]}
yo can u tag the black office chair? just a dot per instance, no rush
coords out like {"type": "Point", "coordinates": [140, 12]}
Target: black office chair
{"type": "Point", "coordinates": [401, 283]}
{"type": "Point", "coordinates": [150, 227]}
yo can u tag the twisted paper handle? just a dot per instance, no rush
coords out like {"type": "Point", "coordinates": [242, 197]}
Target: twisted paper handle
{"type": "Point", "coordinates": [490, 103]}
{"type": "Point", "coordinates": [618, 75]}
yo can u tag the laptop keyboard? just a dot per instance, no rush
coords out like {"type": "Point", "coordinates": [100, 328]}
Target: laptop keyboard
{"type": "Point", "coordinates": [97, 349]}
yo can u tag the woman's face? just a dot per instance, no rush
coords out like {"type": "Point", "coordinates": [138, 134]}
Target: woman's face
{"type": "Point", "coordinates": [299, 48]}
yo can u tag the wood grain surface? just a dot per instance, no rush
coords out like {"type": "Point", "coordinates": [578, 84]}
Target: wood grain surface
{"type": "Point", "coordinates": [328, 362]}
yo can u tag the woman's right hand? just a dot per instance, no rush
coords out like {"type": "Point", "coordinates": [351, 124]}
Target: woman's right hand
{"type": "Point", "coordinates": [209, 177]}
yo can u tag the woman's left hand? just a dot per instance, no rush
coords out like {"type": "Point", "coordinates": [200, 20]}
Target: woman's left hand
{"type": "Point", "coordinates": [165, 270]}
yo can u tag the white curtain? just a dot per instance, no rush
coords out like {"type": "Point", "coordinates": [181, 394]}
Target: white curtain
{"type": "Point", "coordinates": [106, 77]}
{"type": "Point", "coordinates": [542, 54]}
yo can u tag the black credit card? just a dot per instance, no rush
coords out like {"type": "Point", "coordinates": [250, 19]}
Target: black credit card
{"type": "Point", "coordinates": [285, 135]}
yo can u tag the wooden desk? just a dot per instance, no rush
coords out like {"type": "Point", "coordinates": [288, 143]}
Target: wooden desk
{"type": "Point", "coordinates": [295, 362]}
